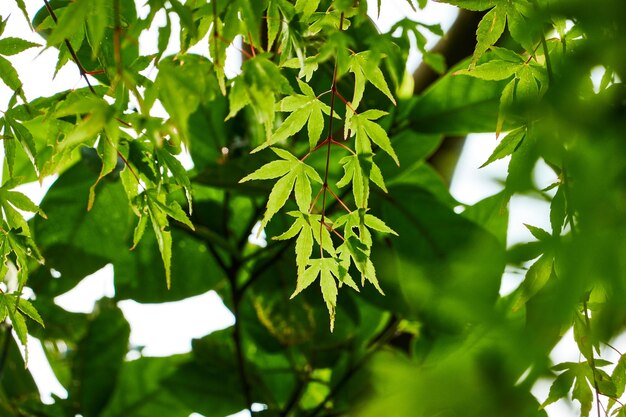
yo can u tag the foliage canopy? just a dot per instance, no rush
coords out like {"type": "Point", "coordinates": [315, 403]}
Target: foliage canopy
{"type": "Point", "coordinates": [320, 142]}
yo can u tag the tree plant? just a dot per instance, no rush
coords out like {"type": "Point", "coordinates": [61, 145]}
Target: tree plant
{"type": "Point", "coordinates": [326, 144]}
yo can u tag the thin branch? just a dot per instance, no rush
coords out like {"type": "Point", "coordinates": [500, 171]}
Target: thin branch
{"type": "Point", "coordinates": [315, 200]}
{"type": "Point", "coordinates": [592, 361]}
{"type": "Point", "coordinates": [343, 146]}
{"type": "Point", "coordinates": [339, 200]}
{"type": "Point", "coordinates": [70, 48]}
{"type": "Point", "coordinates": [333, 88]}
{"type": "Point", "coordinates": [346, 102]}
{"type": "Point", "coordinates": [319, 146]}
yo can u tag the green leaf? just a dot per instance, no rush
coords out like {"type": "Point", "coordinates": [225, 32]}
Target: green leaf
{"type": "Point", "coordinates": [96, 237]}
{"type": "Point", "coordinates": [558, 211]}
{"type": "Point", "coordinates": [27, 309]}
{"type": "Point", "coordinates": [19, 325]}
{"type": "Point", "coordinates": [181, 85]}
{"type": "Point", "coordinates": [538, 233]}
{"type": "Point", "coordinates": [365, 66]}
{"type": "Point", "coordinates": [492, 214]}
{"type": "Point", "coordinates": [306, 8]}
{"type": "Point", "coordinates": [20, 201]}
{"type": "Point", "coordinates": [178, 172]}
{"type": "Point", "coordinates": [139, 274]}
{"type": "Point", "coordinates": [494, 70]}
{"type": "Point", "coordinates": [295, 174]}
{"type": "Point", "coordinates": [477, 5]}
{"type": "Point", "coordinates": [98, 18]}
{"type": "Point", "coordinates": [140, 390]}
{"type": "Point", "coordinates": [22, 7]}
{"type": "Point", "coordinates": [304, 247]}
{"type": "Point", "coordinates": [12, 46]}
{"type": "Point", "coordinates": [536, 278]}
{"type": "Point", "coordinates": [95, 369]}
{"type": "Point", "coordinates": [526, 88]}
{"type": "Point", "coordinates": [70, 21]}
{"type": "Point", "coordinates": [329, 291]}
{"type": "Point", "coordinates": [377, 224]}
{"type": "Point", "coordinates": [8, 75]}
{"type": "Point", "coordinates": [269, 171]}
{"type": "Point", "coordinates": [522, 30]}
{"type": "Point", "coordinates": [506, 99]}
{"type": "Point", "coordinates": [357, 171]}
{"type": "Point", "coordinates": [507, 145]}
{"type": "Point", "coordinates": [278, 196]}
{"type": "Point", "coordinates": [328, 269]}
{"type": "Point", "coordinates": [305, 109]}
{"type": "Point", "coordinates": [489, 31]}
{"type": "Point", "coordinates": [619, 376]}
{"type": "Point", "coordinates": [161, 228]}
{"type": "Point", "coordinates": [455, 105]}
{"type": "Point", "coordinates": [582, 394]}
{"type": "Point", "coordinates": [560, 387]}
{"type": "Point", "coordinates": [366, 130]}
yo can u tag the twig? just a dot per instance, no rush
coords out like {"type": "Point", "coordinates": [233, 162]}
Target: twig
{"type": "Point", "coordinates": [70, 48]}
{"type": "Point", "coordinates": [592, 361]}
{"type": "Point", "coordinates": [333, 88]}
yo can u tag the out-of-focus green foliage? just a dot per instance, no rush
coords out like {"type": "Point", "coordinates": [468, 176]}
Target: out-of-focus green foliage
{"type": "Point", "coordinates": [345, 195]}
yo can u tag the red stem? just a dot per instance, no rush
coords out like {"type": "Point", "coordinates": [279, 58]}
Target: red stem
{"type": "Point", "coordinates": [333, 88]}
{"type": "Point", "coordinates": [346, 102]}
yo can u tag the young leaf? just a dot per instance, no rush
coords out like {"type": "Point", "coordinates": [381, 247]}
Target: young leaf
{"type": "Point", "coordinates": [538, 233]}
{"type": "Point", "coordinates": [97, 21]}
{"type": "Point", "coordinates": [294, 173]}
{"type": "Point", "coordinates": [619, 376]}
{"type": "Point", "coordinates": [489, 31]}
{"type": "Point", "coordinates": [8, 75]}
{"type": "Point", "coordinates": [329, 270]}
{"type": "Point", "coordinates": [19, 325]}
{"type": "Point", "coordinates": [494, 70]}
{"type": "Point", "coordinates": [161, 228]}
{"type": "Point", "coordinates": [507, 145]}
{"type": "Point", "coordinates": [22, 7]}
{"type": "Point", "coordinates": [365, 67]}
{"type": "Point", "coordinates": [506, 99]}
{"type": "Point", "coordinates": [558, 211]}
{"type": "Point", "coordinates": [536, 278]}
{"type": "Point", "coordinates": [366, 130]}
{"type": "Point", "coordinates": [329, 290]}
{"type": "Point", "coordinates": [560, 387]}
{"type": "Point", "coordinates": [178, 172]}
{"type": "Point", "coordinates": [357, 171]}
{"type": "Point", "coordinates": [582, 393]}
{"type": "Point", "coordinates": [306, 8]}
{"type": "Point", "coordinates": [526, 88]}
{"type": "Point", "coordinates": [70, 22]}
{"type": "Point", "coordinates": [305, 108]}
{"type": "Point", "coordinates": [377, 224]}
{"type": "Point", "coordinates": [476, 5]}
{"type": "Point", "coordinates": [27, 309]}
{"type": "Point", "coordinates": [20, 201]}
{"type": "Point", "coordinates": [12, 46]}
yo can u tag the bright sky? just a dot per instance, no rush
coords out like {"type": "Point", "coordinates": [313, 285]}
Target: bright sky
{"type": "Point", "coordinates": [158, 327]}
